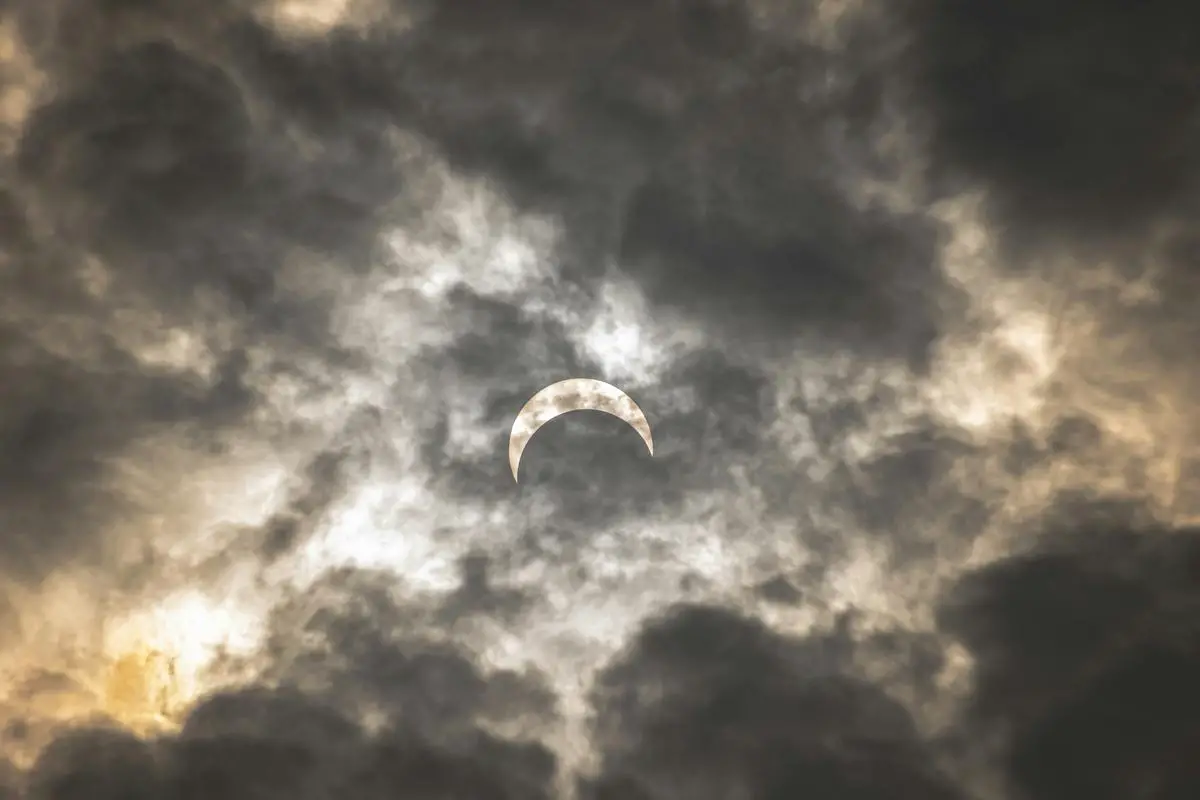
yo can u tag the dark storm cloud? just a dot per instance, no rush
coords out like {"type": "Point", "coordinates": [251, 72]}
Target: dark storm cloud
{"type": "Point", "coordinates": [105, 764]}
{"type": "Point", "coordinates": [670, 139]}
{"type": "Point", "coordinates": [708, 704]}
{"type": "Point", "coordinates": [284, 745]}
{"type": "Point", "coordinates": [1087, 654]}
{"type": "Point", "coordinates": [1081, 117]}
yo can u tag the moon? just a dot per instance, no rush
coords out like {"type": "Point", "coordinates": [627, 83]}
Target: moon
{"type": "Point", "coordinates": [573, 394]}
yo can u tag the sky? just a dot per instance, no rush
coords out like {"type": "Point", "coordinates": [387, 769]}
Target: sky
{"type": "Point", "coordinates": [905, 289]}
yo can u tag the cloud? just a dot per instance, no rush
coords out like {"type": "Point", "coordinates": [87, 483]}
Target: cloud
{"type": "Point", "coordinates": [706, 411]}
{"type": "Point", "coordinates": [100, 763]}
{"type": "Point", "coordinates": [306, 737]}
{"type": "Point", "coordinates": [707, 704]}
{"type": "Point", "coordinates": [704, 702]}
{"type": "Point", "coordinates": [1084, 648]}
{"type": "Point", "coordinates": [303, 750]}
{"type": "Point", "coordinates": [1079, 117]}
{"type": "Point", "coordinates": [153, 218]}
{"type": "Point", "coordinates": [692, 170]}
{"type": "Point", "coordinates": [905, 293]}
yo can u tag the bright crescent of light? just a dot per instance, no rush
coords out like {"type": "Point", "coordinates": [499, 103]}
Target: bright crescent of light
{"type": "Point", "coordinates": [573, 394]}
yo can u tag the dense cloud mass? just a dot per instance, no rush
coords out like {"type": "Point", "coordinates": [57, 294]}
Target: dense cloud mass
{"type": "Point", "coordinates": [905, 290]}
{"type": "Point", "coordinates": [1079, 115]}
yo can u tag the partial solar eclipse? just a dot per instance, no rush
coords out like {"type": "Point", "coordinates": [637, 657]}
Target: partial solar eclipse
{"type": "Point", "coordinates": [573, 394]}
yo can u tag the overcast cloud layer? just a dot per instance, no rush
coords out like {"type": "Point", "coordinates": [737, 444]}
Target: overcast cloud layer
{"type": "Point", "coordinates": [906, 290]}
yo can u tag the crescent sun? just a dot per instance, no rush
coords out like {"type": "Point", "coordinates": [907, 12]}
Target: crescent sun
{"type": "Point", "coordinates": [573, 394]}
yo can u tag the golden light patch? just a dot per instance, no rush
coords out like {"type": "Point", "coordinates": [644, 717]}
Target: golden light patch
{"type": "Point", "coordinates": [141, 688]}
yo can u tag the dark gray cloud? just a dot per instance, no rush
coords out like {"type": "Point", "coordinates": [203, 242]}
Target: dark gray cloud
{"type": "Point", "coordinates": [1081, 117]}
{"type": "Point", "coordinates": [283, 745]}
{"type": "Point", "coordinates": [707, 704]}
{"type": "Point", "coordinates": [1085, 650]}
{"type": "Point", "coordinates": [100, 763]}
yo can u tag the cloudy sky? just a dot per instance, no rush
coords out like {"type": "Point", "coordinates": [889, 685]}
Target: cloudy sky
{"type": "Point", "coordinates": [906, 290]}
